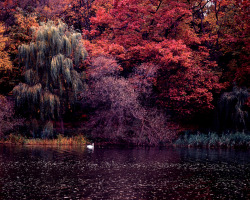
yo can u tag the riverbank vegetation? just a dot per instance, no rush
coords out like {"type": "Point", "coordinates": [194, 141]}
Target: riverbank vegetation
{"type": "Point", "coordinates": [78, 140]}
{"type": "Point", "coordinates": [125, 71]}
{"type": "Point", "coordinates": [214, 140]}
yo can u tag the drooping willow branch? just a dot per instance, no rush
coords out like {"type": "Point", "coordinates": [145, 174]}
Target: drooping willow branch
{"type": "Point", "coordinates": [52, 83]}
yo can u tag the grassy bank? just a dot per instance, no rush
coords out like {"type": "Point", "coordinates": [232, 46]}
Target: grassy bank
{"type": "Point", "coordinates": [210, 140]}
{"type": "Point", "coordinates": [213, 140]}
{"type": "Point", "coordinates": [60, 140]}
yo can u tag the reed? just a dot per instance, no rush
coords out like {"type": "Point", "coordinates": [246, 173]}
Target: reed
{"type": "Point", "coordinates": [211, 140]}
{"type": "Point", "coordinates": [60, 140]}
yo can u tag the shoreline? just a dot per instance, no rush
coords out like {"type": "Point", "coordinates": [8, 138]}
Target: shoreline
{"type": "Point", "coordinates": [111, 146]}
{"type": "Point", "coordinates": [238, 140]}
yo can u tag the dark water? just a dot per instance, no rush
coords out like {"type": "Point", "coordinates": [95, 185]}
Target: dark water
{"type": "Point", "coordinates": [77, 173]}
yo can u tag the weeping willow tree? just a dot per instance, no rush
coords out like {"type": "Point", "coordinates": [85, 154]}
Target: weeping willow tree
{"type": "Point", "coordinates": [51, 79]}
{"type": "Point", "coordinates": [233, 113]}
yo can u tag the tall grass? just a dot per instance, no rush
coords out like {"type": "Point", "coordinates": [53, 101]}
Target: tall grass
{"type": "Point", "coordinates": [60, 140]}
{"type": "Point", "coordinates": [232, 140]}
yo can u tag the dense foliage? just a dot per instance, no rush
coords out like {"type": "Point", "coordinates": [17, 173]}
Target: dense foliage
{"type": "Point", "coordinates": [5, 62]}
{"type": "Point", "coordinates": [8, 122]}
{"type": "Point", "coordinates": [52, 83]}
{"type": "Point", "coordinates": [149, 60]}
{"type": "Point", "coordinates": [117, 112]}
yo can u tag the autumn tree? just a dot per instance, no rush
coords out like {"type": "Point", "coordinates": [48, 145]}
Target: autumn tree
{"type": "Point", "coordinates": [51, 9]}
{"type": "Point", "coordinates": [188, 81]}
{"type": "Point", "coordinates": [52, 82]}
{"type": "Point", "coordinates": [18, 33]}
{"type": "Point", "coordinates": [117, 114]}
{"type": "Point", "coordinates": [78, 13]}
{"type": "Point", "coordinates": [159, 32]}
{"type": "Point", "coordinates": [224, 30]}
{"type": "Point", "coordinates": [5, 63]}
{"type": "Point", "coordinates": [7, 8]}
{"type": "Point", "coordinates": [234, 42]}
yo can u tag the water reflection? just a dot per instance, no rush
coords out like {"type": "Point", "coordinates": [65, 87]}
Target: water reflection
{"type": "Point", "coordinates": [77, 173]}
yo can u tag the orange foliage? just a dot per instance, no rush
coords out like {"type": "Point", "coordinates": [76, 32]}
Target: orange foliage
{"type": "Point", "coordinates": [52, 9]}
{"type": "Point", "coordinates": [20, 33]}
{"type": "Point", "coordinates": [5, 63]}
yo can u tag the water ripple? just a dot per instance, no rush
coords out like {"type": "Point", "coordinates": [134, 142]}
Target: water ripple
{"type": "Point", "coordinates": [75, 173]}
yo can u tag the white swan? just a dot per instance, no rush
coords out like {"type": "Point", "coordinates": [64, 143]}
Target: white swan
{"type": "Point", "coordinates": [91, 146]}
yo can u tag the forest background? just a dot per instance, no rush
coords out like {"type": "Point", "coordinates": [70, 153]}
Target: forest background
{"type": "Point", "coordinates": [124, 71]}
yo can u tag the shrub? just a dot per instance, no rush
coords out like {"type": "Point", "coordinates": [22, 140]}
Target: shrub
{"type": "Point", "coordinates": [117, 114]}
{"type": "Point", "coordinates": [8, 123]}
{"type": "Point", "coordinates": [16, 139]}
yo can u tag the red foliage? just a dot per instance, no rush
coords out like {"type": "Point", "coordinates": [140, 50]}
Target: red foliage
{"type": "Point", "coordinates": [242, 75]}
{"type": "Point", "coordinates": [187, 81]}
{"type": "Point", "coordinates": [225, 30]}
{"type": "Point", "coordinates": [136, 31]}
{"type": "Point", "coordinates": [78, 13]}
{"type": "Point", "coordinates": [182, 48]}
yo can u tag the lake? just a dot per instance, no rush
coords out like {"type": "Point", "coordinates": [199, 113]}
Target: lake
{"type": "Point", "coordinates": [30, 172]}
